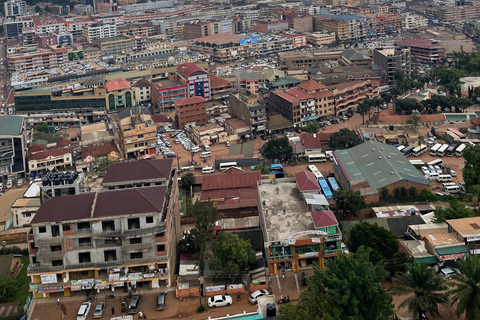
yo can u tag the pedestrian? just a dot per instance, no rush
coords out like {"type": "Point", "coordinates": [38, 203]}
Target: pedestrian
{"type": "Point", "coordinates": [145, 316]}
{"type": "Point", "coordinates": [283, 210]}
{"type": "Point", "coordinates": [113, 311]}
{"type": "Point", "coordinates": [58, 302]}
{"type": "Point", "coordinates": [288, 298]}
{"type": "Point", "coordinates": [140, 315]}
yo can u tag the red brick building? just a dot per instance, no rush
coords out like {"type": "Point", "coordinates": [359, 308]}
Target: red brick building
{"type": "Point", "coordinates": [191, 111]}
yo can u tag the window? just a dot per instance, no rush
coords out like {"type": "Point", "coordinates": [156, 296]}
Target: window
{"type": "Point", "coordinates": [160, 247]}
{"type": "Point", "coordinates": [85, 241]}
{"type": "Point", "coordinates": [149, 219]}
{"type": "Point", "coordinates": [56, 248]}
{"type": "Point", "coordinates": [66, 227]}
{"type": "Point", "coordinates": [133, 223]}
{"type": "Point", "coordinates": [57, 263]}
{"type": "Point", "coordinates": [135, 240]}
{"type": "Point", "coordinates": [55, 231]}
{"type": "Point", "coordinates": [160, 235]}
{"type": "Point", "coordinates": [108, 225]}
{"type": "Point", "coordinates": [84, 257]}
{"type": "Point", "coordinates": [83, 225]}
{"type": "Point", "coordinates": [110, 255]}
{"type": "Point", "coordinates": [136, 255]}
{"type": "Point", "coordinates": [307, 248]}
{"type": "Point", "coordinates": [42, 229]}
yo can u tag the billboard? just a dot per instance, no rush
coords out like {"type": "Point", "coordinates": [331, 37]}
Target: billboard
{"type": "Point", "coordinates": [248, 40]}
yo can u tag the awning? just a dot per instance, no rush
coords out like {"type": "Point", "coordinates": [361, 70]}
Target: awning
{"type": "Point", "coordinates": [451, 253]}
{"type": "Point", "coordinates": [426, 260]}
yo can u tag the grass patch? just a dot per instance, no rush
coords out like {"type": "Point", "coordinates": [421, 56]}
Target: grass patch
{"type": "Point", "coordinates": [23, 285]}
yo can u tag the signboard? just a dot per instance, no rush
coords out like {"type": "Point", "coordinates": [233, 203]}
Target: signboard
{"type": "Point", "coordinates": [118, 284]}
{"type": "Point", "coordinates": [215, 288]}
{"type": "Point", "coordinates": [311, 254]}
{"type": "Point", "coordinates": [452, 256]}
{"type": "Point", "coordinates": [75, 288]}
{"type": "Point", "coordinates": [310, 118]}
{"type": "Point", "coordinates": [308, 232]}
{"type": "Point", "coordinates": [33, 287]}
{"type": "Point", "coordinates": [102, 286]}
{"type": "Point", "coordinates": [234, 52]}
{"type": "Point", "coordinates": [235, 286]}
{"type": "Point", "coordinates": [333, 238]}
{"type": "Point", "coordinates": [48, 278]}
{"type": "Point", "coordinates": [148, 275]}
{"type": "Point", "coordinates": [248, 40]}
{"type": "Point", "coordinates": [135, 276]}
{"type": "Point", "coordinates": [50, 289]}
{"type": "Point", "coordinates": [318, 240]}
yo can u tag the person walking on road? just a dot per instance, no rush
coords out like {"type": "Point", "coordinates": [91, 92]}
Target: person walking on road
{"type": "Point", "coordinates": [113, 311]}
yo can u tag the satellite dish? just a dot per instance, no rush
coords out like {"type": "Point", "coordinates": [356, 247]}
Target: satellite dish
{"type": "Point", "coordinates": [65, 280]}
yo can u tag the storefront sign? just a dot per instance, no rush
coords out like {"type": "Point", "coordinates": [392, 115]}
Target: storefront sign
{"type": "Point", "coordinates": [118, 284]}
{"type": "Point", "coordinates": [333, 238]}
{"type": "Point", "coordinates": [114, 277]}
{"type": "Point", "coordinates": [235, 286]}
{"type": "Point", "coordinates": [318, 240]}
{"type": "Point", "coordinates": [87, 286]}
{"type": "Point", "coordinates": [214, 288]}
{"type": "Point", "coordinates": [50, 289]}
{"type": "Point", "coordinates": [75, 288]}
{"type": "Point", "coordinates": [308, 232]}
{"type": "Point", "coordinates": [452, 256]}
{"type": "Point", "coordinates": [48, 278]}
{"type": "Point", "coordinates": [33, 287]}
{"type": "Point", "coordinates": [311, 254]}
{"type": "Point", "coordinates": [148, 275]}
{"type": "Point", "coordinates": [135, 276]}
{"type": "Point", "coordinates": [83, 281]}
{"type": "Point", "coordinates": [102, 286]}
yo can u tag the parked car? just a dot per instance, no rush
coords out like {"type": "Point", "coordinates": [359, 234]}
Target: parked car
{"type": "Point", "coordinates": [134, 304]}
{"type": "Point", "coordinates": [259, 293]}
{"type": "Point", "coordinates": [425, 170]}
{"type": "Point", "coordinates": [83, 311]}
{"type": "Point", "coordinates": [219, 301]}
{"type": "Point", "coordinates": [161, 301]}
{"type": "Point", "coordinates": [99, 308]}
{"type": "Point", "coordinates": [9, 184]}
{"type": "Point", "coordinates": [20, 182]}
{"type": "Point", "coordinates": [453, 173]}
{"type": "Point", "coordinates": [447, 273]}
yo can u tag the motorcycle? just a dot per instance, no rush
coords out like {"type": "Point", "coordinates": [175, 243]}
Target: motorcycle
{"type": "Point", "coordinates": [304, 279]}
{"type": "Point", "coordinates": [238, 296]}
{"type": "Point", "coordinates": [109, 296]}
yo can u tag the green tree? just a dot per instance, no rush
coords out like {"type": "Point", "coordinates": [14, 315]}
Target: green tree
{"type": "Point", "coordinates": [205, 215]}
{"type": "Point", "coordinates": [187, 180]}
{"type": "Point", "coordinates": [344, 139]}
{"type": "Point", "coordinates": [102, 164]}
{"type": "Point", "coordinates": [8, 288]}
{"type": "Point", "coordinates": [406, 106]}
{"type": "Point", "coordinates": [474, 193]}
{"type": "Point", "coordinates": [385, 194]}
{"type": "Point", "coordinates": [312, 127]}
{"type": "Point", "coordinates": [278, 148]}
{"type": "Point", "coordinates": [187, 243]}
{"type": "Point", "coordinates": [232, 257]}
{"type": "Point", "coordinates": [348, 288]}
{"type": "Point", "coordinates": [47, 8]}
{"type": "Point", "coordinates": [412, 191]}
{"type": "Point", "coordinates": [450, 79]}
{"type": "Point", "coordinates": [41, 127]}
{"type": "Point", "coordinates": [382, 243]}
{"type": "Point", "coordinates": [460, 104]}
{"type": "Point", "coordinates": [363, 108]}
{"type": "Point", "coordinates": [428, 289]}
{"type": "Point", "coordinates": [38, 9]}
{"type": "Point", "coordinates": [455, 210]}
{"type": "Point", "coordinates": [348, 203]}
{"type": "Point", "coordinates": [431, 105]}
{"type": "Point", "coordinates": [466, 288]}
{"type": "Point", "coordinates": [262, 167]}
{"type": "Point", "coordinates": [471, 154]}
{"type": "Point", "coordinates": [414, 120]}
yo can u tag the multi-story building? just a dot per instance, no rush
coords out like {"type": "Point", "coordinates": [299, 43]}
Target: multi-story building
{"type": "Point", "coordinates": [166, 92]}
{"type": "Point", "coordinates": [14, 26]}
{"type": "Point", "coordinates": [107, 7]}
{"type": "Point", "coordinates": [306, 59]}
{"type": "Point", "coordinates": [102, 242]}
{"type": "Point", "coordinates": [346, 27]}
{"type": "Point", "coordinates": [143, 91]}
{"type": "Point", "coordinates": [388, 24]}
{"type": "Point", "coordinates": [324, 99]}
{"type": "Point", "coordinates": [49, 25]}
{"type": "Point", "coordinates": [300, 22]}
{"type": "Point", "coordinates": [114, 45]}
{"type": "Point", "coordinates": [320, 38]}
{"type": "Point", "coordinates": [83, 8]}
{"type": "Point", "coordinates": [98, 31]}
{"type": "Point", "coordinates": [270, 26]}
{"type": "Point", "coordinates": [147, 6]}
{"type": "Point", "coordinates": [298, 40]}
{"type": "Point", "coordinates": [196, 79]}
{"type": "Point", "coordinates": [46, 58]}
{"type": "Point", "coordinates": [191, 111]}
{"type": "Point", "coordinates": [59, 158]}
{"type": "Point", "coordinates": [119, 94]}
{"type": "Point", "coordinates": [126, 2]}
{"type": "Point", "coordinates": [76, 27]}
{"type": "Point", "coordinates": [424, 50]}
{"type": "Point", "coordinates": [15, 8]}
{"type": "Point", "coordinates": [195, 29]}
{"type": "Point", "coordinates": [138, 134]}
{"type": "Point", "coordinates": [348, 95]}
{"type": "Point", "coordinates": [12, 146]}
{"type": "Point", "coordinates": [393, 60]}
{"type": "Point", "coordinates": [248, 81]}
{"type": "Point", "coordinates": [245, 106]}
{"type": "Point", "coordinates": [61, 10]}
{"type": "Point", "coordinates": [414, 22]}
{"type": "Point", "coordinates": [452, 14]}
{"type": "Point", "coordinates": [294, 105]}
{"type": "Point", "coordinates": [220, 87]}
{"type": "Point", "coordinates": [141, 29]}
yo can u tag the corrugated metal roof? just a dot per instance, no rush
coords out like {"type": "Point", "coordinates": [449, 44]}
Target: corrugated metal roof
{"type": "Point", "coordinates": [11, 125]}
{"type": "Point", "coordinates": [452, 250]}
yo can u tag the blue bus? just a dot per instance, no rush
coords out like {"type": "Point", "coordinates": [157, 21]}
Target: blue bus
{"type": "Point", "coordinates": [333, 184]}
{"type": "Point", "coordinates": [325, 188]}
{"type": "Point", "coordinates": [277, 170]}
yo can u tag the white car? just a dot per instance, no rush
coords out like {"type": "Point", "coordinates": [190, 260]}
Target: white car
{"type": "Point", "coordinates": [259, 293]}
{"type": "Point", "coordinates": [219, 301]}
{"type": "Point", "coordinates": [425, 170]}
{"type": "Point", "coordinates": [9, 184]}
{"type": "Point", "coordinates": [82, 313]}
{"type": "Point", "coordinates": [438, 169]}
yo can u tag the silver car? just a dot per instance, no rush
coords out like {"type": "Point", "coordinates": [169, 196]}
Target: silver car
{"type": "Point", "coordinates": [99, 308]}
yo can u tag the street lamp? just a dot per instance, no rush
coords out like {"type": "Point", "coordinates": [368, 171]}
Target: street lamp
{"type": "Point", "coordinates": [178, 164]}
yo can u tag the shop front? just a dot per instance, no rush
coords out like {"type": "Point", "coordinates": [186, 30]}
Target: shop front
{"type": "Point", "coordinates": [451, 253]}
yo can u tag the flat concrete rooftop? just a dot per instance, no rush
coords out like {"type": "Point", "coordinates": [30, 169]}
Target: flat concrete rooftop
{"type": "Point", "coordinates": [279, 196]}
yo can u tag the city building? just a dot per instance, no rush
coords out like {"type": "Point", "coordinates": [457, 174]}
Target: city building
{"type": "Point", "coordinates": [393, 60]}
{"type": "Point", "coordinates": [248, 81]}
{"type": "Point", "coordinates": [270, 26]}
{"type": "Point", "coordinates": [13, 26]}
{"type": "Point", "coordinates": [107, 150]}
{"type": "Point", "coordinates": [294, 105]}
{"type": "Point", "coordinates": [320, 38]}
{"type": "Point", "coordinates": [237, 129]}
{"type": "Point", "coordinates": [49, 25]}
{"type": "Point", "coordinates": [209, 135]}
{"type": "Point", "coordinates": [61, 183]}
{"type": "Point", "coordinates": [58, 158]}
{"type": "Point", "coordinates": [138, 134]}
{"type": "Point", "coordinates": [119, 94]}
{"type": "Point", "coordinates": [324, 99]}
{"type": "Point", "coordinates": [14, 8]}
{"type": "Point", "coordinates": [424, 50]}
{"type": "Point", "coordinates": [220, 87]}
{"type": "Point", "coordinates": [346, 27]}
{"type": "Point", "coordinates": [143, 91]}
{"type": "Point", "coordinates": [61, 10]}
{"type": "Point", "coordinates": [298, 40]}
{"type": "Point", "coordinates": [451, 14]}
{"type": "Point", "coordinates": [98, 31]}
{"type": "Point", "coordinates": [190, 111]}
{"type": "Point", "coordinates": [348, 95]}
{"type": "Point", "coordinates": [306, 59]}
{"type": "Point", "coordinates": [401, 134]}
{"type": "Point", "coordinates": [12, 146]}
{"type": "Point", "coordinates": [114, 45]}
{"type": "Point", "coordinates": [166, 92]}
{"type": "Point", "coordinates": [245, 106]}
{"type": "Point", "coordinates": [414, 22]}
{"type": "Point", "coordinates": [300, 22]}
{"type": "Point", "coordinates": [104, 242]}
{"type": "Point", "coordinates": [24, 209]}
{"type": "Point", "coordinates": [196, 79]}
{"type": "Point", "coordinates": [54, 56]}
{"type": "Point", "coordinates": [372, 166]}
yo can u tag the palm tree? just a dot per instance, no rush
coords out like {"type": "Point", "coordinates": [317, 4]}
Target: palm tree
{"type": "Point", "coordinates": [363, 108]}
{"type": "Point", "coordinates": [427, 288]}
{"type": "Point", "coordinates": [466, 289]}
{"type": "Point", "coordinates": [475, 193]}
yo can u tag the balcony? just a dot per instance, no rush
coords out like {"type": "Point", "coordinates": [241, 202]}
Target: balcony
{"type": "Point", "coordinates": [330, 251]}
{"type": "Point", "coordinates": [83, 231]}
{"type": "Point", "coordinates": [284, 257]}
{"type": "Point", "coordinates": [47, 242]}
{"type": "Point", "coordinates": [36, 268]}
{"type": "Point", "coordinates": [91, 265]}
{"type": "Point", "coordinates": [108, 234]}
{"type": "Point", "coordinates": [87, 245]}
{"type": "Point", "coordinates": [49, 255]}
{"type": "Point", "coordinates": [143, 231]}
{"type": "Point", "coordinates": [137, 247]}
{"type": "Point", "coordinates": [152, 260]}
{"type": "Point", "coordinates": [103, 244]}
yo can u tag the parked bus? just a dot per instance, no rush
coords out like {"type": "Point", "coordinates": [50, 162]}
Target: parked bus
{"type": "Point", "coordinates": [456, 132]}
{"type": "Point", "coordinates": [318, 175]}
{"type": "Point", "coordinates": [435, 162]}
{"type": "Point", "coordinates": [442, 150]}
{"type": "Point", "coordinates": [459, 150]}
{"type": "Point", "coordinates": [325, 188]}
{"type": "Point", "coordinates": [400, 148]}
{"type": "Point", "coordinates": [317, 158]}
{"type": "Point", "coordinates": [434, 149]}
{"type": "Point", "coordinates": [407, 150]}
{"type": "Point", "coordinates": [451, 150]}
{"type": "Point", "coordinates": [333, 184]}
{"type": "Point", "coordinates": [421, 149]}
{"type": "Point", "coordinates": [452, 189]}
{"type": "Point", "coordinates": [277, 170]}
{"type": "Point", "coordinates": [227, 165]}
{"type": "Point", "coordinates": [417, 162]}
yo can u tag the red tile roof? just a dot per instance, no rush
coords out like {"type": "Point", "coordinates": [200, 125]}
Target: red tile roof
{"type": "Point", "coordinates": [138, 171]}
{"type": "Point", "coordinates": [49, 153]}
{"type": "Point", "coordinates": [160, 119]}
{"type": "Point", "coordinates": [421, 43]}
{"type": "Point", "coordinates": [475, 121]}
{"type": "Point", "coordinates": [218, 82]}
{"type": "Point", "coordinates": [232, 198]}
{"type": "Point", "coordinates": [236, 123]}
{"type": "Point", "coordinates": [311, 85]}
{"type": "Point", "coordinates": [187, 69]}
{"type": "Point", "coordinates": [322, 94]}
{"type": "Point", "coordinates": [190, 100]}
{"type": "Point", "coordinates": [223, 181]}
{"type": "Point", "coordinates": [294, 95]}
{"type": "Point", "coordinates": [36, 148]}
{"type": "Point", "coordinates": [11, 97]}
{"type": "Point", "coordinates": [55, 209]}
{"type": "Point", "coordinates": [324, 218]}
{"type": "Point", "coordinates": [310, 141]}
{"type": "Point", "coordinates": [117, 84]}
{"type": "Point", "coordinates": [64, 143]}
{"type": "Point", "coordinates": [306, 181]}
{"type": "Point", "coordinates": [101, 150]}
{"type": "Point", "coordinates": [220, 38]}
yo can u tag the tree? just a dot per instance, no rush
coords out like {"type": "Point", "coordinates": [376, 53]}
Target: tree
{"type": "Point", "coordinates": [38, 9]}
{"type": "Point", "coordinates": [348, 288]}
{"type": "Point", "coordinates": [475, 193]}
{"type": "Point", "coordinates": [460, 104]}
{"type": "Point", "coordinates": [427, 288]}
{"type": "Point", "coordinates": [431, 105]}
{"type": "Point", "coordinates": [41, 127]}
{"type": "Point", "coordinates": [466, 288]}
{"type": "Point", "coordinates": [312, 127]}
{"type": "Point", "coordinates": [412, 191]}
{"type": "Point", "coordinates": [278, 148]}
{"type": "Point", "coordinates": [263, 168]}
{"type": "Point", "coordinates": [455, 210]}
{"type": "Point", "coordinates": [344, 139]}
{"type": "Point", "coordinates": [232, 257]}
{"type": "Point", "coordinates": [450, 79]}
{"type": "Point", "coordinates": [187, 181]}
{"type": "Point", "coordinates": [382, 243]}
{"type": "Point", "coordinates": [102, 164]}
{"type": "Point", "coordinates": [348, 203]}
{"type": "Point", "coordinates": [8, 288]}
{"type": "Point", "coordinates": [47, 8]}
{"type": "Point", "coordinates": [414, 120]}
{"type": "Point", "coordinates": [187, 243]}
{"type": "Point", "coordinates": [363, 108]}
{"type": "Point", "coordinates": [471, 154]}
{"type": "Point", "coordinates": [406, 105]}
{"type": "Point", "coordinates": [205, 215]}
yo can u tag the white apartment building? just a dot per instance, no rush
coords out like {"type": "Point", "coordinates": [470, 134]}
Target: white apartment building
{"type": "Point", "coordinates": [414, 21]}
{"type": "Point", "coordinates": [15, 8]}
{"type": "Point", "coordinates": [99, 31]}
